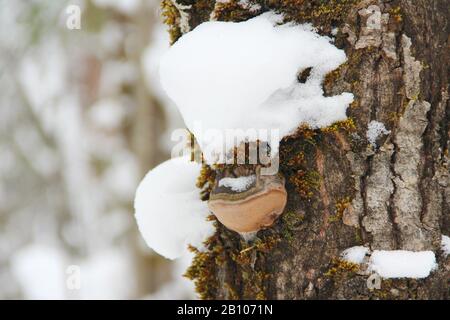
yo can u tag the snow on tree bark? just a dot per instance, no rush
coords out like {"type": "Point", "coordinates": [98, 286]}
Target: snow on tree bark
{"type": "Point", "coordinates": [343, 192]}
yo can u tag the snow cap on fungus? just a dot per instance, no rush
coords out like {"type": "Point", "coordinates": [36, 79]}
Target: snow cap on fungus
{"type": "Point", "coordinates": [225, 75]}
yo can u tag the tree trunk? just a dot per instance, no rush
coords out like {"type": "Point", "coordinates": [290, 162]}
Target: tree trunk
{"type": "Point", "coordinates": [344, 191]}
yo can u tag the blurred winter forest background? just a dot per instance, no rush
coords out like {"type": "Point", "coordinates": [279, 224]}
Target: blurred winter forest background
{"type": "Point", "coordinates": [82, 120]}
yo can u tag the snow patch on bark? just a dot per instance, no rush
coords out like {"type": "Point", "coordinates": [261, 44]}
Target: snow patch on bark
{"type": "Point", "coordinates": [374, 130]}
{"type": "Point", "coordinates": [402, 264]}
{"type": "Point", "coordinates": [355, 254]}
{"type": "Point", "coordinates": [445, 245]}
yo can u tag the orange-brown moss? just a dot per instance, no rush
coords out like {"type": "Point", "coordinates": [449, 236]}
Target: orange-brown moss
{"type": "Point", "coordinates": [305, 182]}
{"type": "Point", "coordinates": [339, 268]}
{"type": "Point", "coordinates": [324, 14]}
{"type": "Point", "coordinates": [341, 205]}
{"type": "Point", "coordinates": [171, 17]}
{"type": "Point", "coordinates": [206, 181]}
{"type": "Point", "coordinates": [202, 272]}
{"type": "Point", "coordinates": [297, 160]}
{"type": "Point", "coordinates": [347, 125]}
{"type": "Point", "coordinates": [396, 14]}
{"type": "Point", "coordinates": [232, 11]}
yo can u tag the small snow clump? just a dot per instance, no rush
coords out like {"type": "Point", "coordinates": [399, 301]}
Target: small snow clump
{"type": "Point", "coordinates": [355, 254]}
{"type": "Point", "coordinates": [238, 184]}
{"type": "Point", "coordinates": [374, 130]}
{"type": "Point", "coordinates": [445, 245]}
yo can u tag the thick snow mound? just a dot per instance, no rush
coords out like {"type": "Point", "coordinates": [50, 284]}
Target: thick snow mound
{"type": "Point", "coordinates": [169, 211]}
{"type": "Point", "coordinates": [225, 75]}
{"type": "Point", "coordinates": [402, 264]}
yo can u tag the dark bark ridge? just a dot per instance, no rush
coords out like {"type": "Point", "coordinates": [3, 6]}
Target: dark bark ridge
{"type": "Point", "coordinates": [342, 191]}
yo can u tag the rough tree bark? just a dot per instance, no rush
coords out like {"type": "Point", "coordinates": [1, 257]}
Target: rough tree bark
{"type": "Point", "coordinates": [343, 192]}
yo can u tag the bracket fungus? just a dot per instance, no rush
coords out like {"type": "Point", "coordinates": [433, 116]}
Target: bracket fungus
{"type": "Point", "coordinates": [250, 209]}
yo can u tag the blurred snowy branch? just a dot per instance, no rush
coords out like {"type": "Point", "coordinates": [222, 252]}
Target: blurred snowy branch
{"type": "Point", "coordinates": [80, 124]}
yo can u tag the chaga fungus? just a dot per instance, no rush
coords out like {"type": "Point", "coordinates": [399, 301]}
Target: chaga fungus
{"type": "Point", "coordinates": [252, 209]}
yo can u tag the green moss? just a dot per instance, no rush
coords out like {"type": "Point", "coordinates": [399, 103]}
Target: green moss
{"type": "Point", "coordinates": [358, 238]}
{"type": "Point", "coordinates": [289, 223]}
{"type": "Point", "coordinates": [306, 182]}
